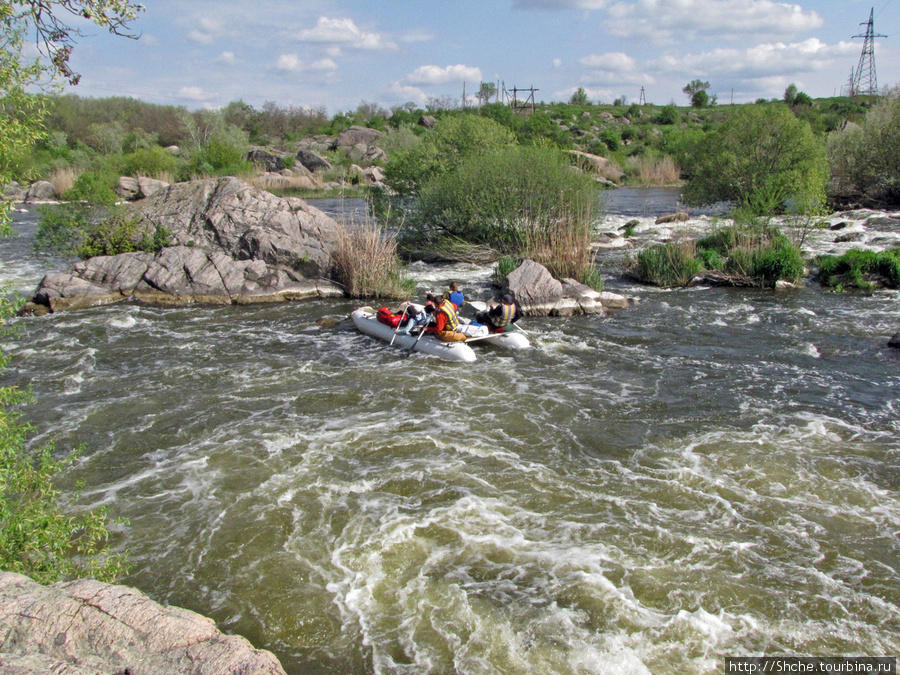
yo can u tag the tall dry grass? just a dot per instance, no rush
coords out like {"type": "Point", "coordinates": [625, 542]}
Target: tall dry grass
{"type": "Point", "coordinates": [366, 264]}
{"type": "Point", "coordinates": [648, 171]}
{"type": "Point", "coordinates": [561, 242]}
{"type": "Point", "coordinates": [62, 179]}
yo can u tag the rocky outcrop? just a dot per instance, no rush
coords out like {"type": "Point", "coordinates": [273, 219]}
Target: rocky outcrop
{"type": "Point", "coordinates": [313, 161]}
{"type": "Point", "coordinates": [85, 626]}
{"type": "Point", "coordinates": [178, 275]}
{"type": "Point", "coordinates": [39, 191]}
{"type": "Point", "coordinates": [894, 341]}
{"type": "Point", "coordinates": [538, 293]}
{"type": "Point", "coordinates": [133, 189]}
{"type": "Point", "coordinates": [231, 244]}
{"type": "Point", "coordinates": [230, 216]}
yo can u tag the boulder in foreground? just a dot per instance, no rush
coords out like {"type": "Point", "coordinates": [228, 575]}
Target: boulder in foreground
{"type": "Point", "coordinates": [86, 626]}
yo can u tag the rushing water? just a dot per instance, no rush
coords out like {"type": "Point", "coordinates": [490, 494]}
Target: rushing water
{"type": "Point", "coordinates": [707, 473]}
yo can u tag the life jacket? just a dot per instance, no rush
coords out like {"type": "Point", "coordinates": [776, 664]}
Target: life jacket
{"type": "Point", "coordinates": [507, 314]}
{"type": "Point", "coordinates": [387, 317]}
{"type": "Point", "coordinates": [449, 309]}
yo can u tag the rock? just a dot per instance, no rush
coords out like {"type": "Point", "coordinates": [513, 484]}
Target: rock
{"type": "Point", "coordinates": [176, 276]}
{"type": "Point", "coordinates": [894, 341]}
{"type": "Point", "coordinates": [243, 222]}
{"type": "Point", "coordinates": [133, 189]}
{"type": "Point", "coordinates": [427, 121]}
{"type": "Point", "coordinates": [677, 217]}
{"type": "Point", "coordinates": [374, 175]}
{"type": "Point", "coordinates": [231, 244]}
{"type": "Point", "coordinates": [12, 191]}
{"type": "Point", "coordinates": [85, 626]}
{"type": "Point", "coordinates": [173, 150]}
{"type": "Point", "coordinates": [355, 135]}
{"type": "Point", "coordinates": [264, 158]}
{"type": "Point", "coordinates": [313, 161]}
{"type": "Point", "coordinates": [40, 191]}
{"type": "Point", "coordinates": [534, 288]}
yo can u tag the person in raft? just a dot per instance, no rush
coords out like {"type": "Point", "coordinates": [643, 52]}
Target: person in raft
{"type": "Point", "coordinates": [446, 323]}
{"type": "Point", "coordinates": [456, 296]}
{"type": "Point", "coordinates": [412, 318]}
{"type": "Point", "coordinates": [499, 317]}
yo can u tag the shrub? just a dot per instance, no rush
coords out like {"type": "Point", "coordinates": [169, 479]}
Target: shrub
{"type": "Point", "coordinates": [39, 536]}
{"type": "Point", "coordinates": [151, 162]}
{"type": "Point", "coordinates": [760, 158]}
{"type": "Point", "coordinates": [365, 262]}
{"type": "Point", "coordinates": [499, 198]}
{"type": "Point", "coordinates": [667, 265]}
{"type": "Point", "coordinates": [858, 268]}
{"type": "Point", "coordinates": [865, 161]}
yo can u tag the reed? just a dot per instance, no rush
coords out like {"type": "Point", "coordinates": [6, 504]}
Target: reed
{"type": "Point", "coordinates": [560, 240]}
{"type": "Point", "coordinates": [366, 263]}
{"type": "Point", "coordinates": [672, 264]}
{"type": "Point", "coordinates": [649, 171]}
{"type": "Point", "coordinates": [63, 179]}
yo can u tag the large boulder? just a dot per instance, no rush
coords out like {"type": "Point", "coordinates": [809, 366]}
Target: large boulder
{"type": "Point", "coordinates": [87, 626]}
{"type": "Point", "coordinates": [133, 189]}
{"type": "Point", "coordinates": [538, 293]}
{"type": "Point", "coordinates": [313, 161]}
{"type": "Point", "coordinates": [230, 216]}
{"type": "Point", "coordinates": [355, 135]}
{"type": "Point", "coordinates": [231, 244]}
{"type": "Point", "coordinates": [178, 275]}
{"type": "Point", "coordinates": [40, 191]}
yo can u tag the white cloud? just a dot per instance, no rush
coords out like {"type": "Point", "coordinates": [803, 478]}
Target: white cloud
{"type": "Point", "coordinates": [200, 37]}
{"type": "Point", "coordinates": [345, 32]}
{"type": "Point", "coordinates": [293, 64]}
{"type": "Point", "coordinates": [193, 94]}
{"type": "Point", "coordinates": [438, 75]}
{"type": "Point", "coordinates": [404, 92]}
{"type": "Point", "coordinates": [760, 61]}
{"type": "Point", "coordinates": [560, 4]}
{"type": "Point", "coordinates": [614, 68]}
{"type": "Point", "coordinates": [680, 20]}
{"type": "Point", "coordinates": [227, 58]}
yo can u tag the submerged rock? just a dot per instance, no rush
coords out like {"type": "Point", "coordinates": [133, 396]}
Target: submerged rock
{"type": "Point", "coordinates": [90, 627]}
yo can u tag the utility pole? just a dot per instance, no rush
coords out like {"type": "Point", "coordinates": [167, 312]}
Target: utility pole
{"type": "Point", "coordinates": [864, 80]}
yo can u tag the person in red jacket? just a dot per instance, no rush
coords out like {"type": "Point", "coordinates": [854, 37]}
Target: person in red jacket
{"type": "Point", "coordinates": [446, 323]}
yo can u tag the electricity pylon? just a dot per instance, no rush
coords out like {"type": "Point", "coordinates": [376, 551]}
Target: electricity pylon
{"type": "Point", "coordinates": [864, 79]}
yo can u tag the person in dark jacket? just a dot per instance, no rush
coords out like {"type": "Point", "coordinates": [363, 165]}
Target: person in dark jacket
{"type": "Point", "coordinates": [499, 317]}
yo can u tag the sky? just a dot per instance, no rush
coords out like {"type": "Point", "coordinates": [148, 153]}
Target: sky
{"type": "Point", "coordinates": [338, 54]}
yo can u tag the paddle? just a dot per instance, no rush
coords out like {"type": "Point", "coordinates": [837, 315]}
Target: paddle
{"type": "Point", "coordinates": [421, 333]}
{"type": "Point", "coordinates": [402, 317]}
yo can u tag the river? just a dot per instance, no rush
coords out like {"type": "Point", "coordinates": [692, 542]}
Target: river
{"type": "Point", "coordinates": [709, 473]}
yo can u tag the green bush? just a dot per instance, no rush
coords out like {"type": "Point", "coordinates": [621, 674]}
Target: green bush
{"type": "Point", "coordinates": [92, 224]}
{"type": "Point", "coordinates": [865, 160]}
{"type": "Point", "coordinates": [492, 197]}
{"type": "Point", "coordinates": [667, 265]}
{"type": "Point", "coordinates": [859, 269]}
{"type": "Point", "coordinates": [152, 162]}
{"type": "Point", "coordinates": [39, 535]}
{"type": "Point", "coordinates": [761, 158]}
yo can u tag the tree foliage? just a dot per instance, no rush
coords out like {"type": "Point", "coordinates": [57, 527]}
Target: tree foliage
{"type": "Point", "coordinates": [865, 160]}
{"type": "Point", "coordinates": [40, 535]}
{"type": "Point", "coordinates": [762, 158]}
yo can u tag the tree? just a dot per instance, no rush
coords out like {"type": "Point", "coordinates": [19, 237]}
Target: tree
{"type": "Point", "coordinates": [56, 38]}
{"type": "Point", "coordinates": [486, 92]}
{"type": "Point", "coordinates": [696, 92]}
{"type": "Point", "coordinates": [37, 534]}
{"type": "Point", "coordinates": [790, 94]}
{"type": "Point", "coordinates": [580, 97]}
{"type": "Point", "coordinates": [865, 160]}
{"type": "Point", "coordinates": [761, 159]}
